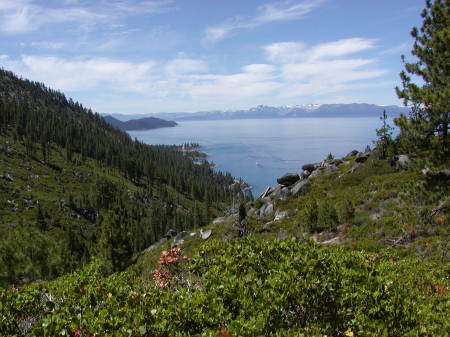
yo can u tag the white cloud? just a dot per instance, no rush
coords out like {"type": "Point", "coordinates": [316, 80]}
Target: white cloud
{"type": "Point", "coordinates": [21, 16]}
{"type": "Point", "coordinates": [290, 52]}
{"type": "Point", "coordinates": [285, 52]}
{"type": "Point", "coordinates": [341, 48]}
{"type": "Point", "coordinates": [294, 70]}
{"type": "Point", "coordinates": [48, 45]}
{"type": "Point", "coordinates": [87, 74]}
{"type": "Point", "coordinates": [3, 57]}
{"type": "Point", "coordinates": [396, 50]}
{"type": "Point", "coordinates": [279, 11]}
{"type": "Point", "coordinates": [255, 80]}
{"type": "Point", "coordinates": [323, 68]}
{"type": "Point", "coordinates": [147, 7]}
{"type": "Point", "coordinates": [181, 66]}
{"type": "Point", "coordinates": [286, 10]}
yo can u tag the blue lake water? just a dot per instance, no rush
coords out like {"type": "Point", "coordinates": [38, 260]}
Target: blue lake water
{"type": "Point", "coordinates": [261, 150]}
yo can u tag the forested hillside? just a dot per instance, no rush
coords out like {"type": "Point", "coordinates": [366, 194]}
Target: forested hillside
{"type": "Point", "coordinates": [73, 187]}
{"type": "Point", "coordinates": [147, 123]}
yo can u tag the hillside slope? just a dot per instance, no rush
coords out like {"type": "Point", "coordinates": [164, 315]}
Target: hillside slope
{"type": "Point", "coordinates": [283, 278]}
{"type": "Point", "coordinates": [73, 187]}
{"type": "Point", "coordinates": [354, 246]}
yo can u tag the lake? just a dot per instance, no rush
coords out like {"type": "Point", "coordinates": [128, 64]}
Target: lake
{"type": "Point", "coordinates": [261, 150]}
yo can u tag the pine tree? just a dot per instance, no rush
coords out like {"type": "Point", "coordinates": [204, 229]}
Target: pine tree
{"type": "Point", "coordinates": [384, 136]}
{"type": "Point", "coordinates": [431, 101]}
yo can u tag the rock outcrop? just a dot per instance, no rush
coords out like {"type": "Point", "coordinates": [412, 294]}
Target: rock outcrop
{"type": "Point", "coordinates": [292, 184]}
{"type": "Point", "coordinates": [300, 188]}
{"type": "Point", "coordinates": [401, 162]}
{"type": "Point", "coordinates": [288, 179]}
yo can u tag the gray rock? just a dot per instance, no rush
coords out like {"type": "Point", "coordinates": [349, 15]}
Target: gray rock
{"type": "Point", "coordinates": [266, 210]}
{"type": "Point", "coordinates": [285, 192]}
{"type": "Point", "coordinates": [402, 162]}
{"type": "Point", "coordinates": [305, 174]}
{"type": "Point", "coordinates": [355, 167]}
{"type": "Point", "coordinates": [266, 228]}
{"type": "Point", "coordinates": [176, 243]}
{"type": "Point", "coordinates": [205, 234]}
{"type": "Point", "coordinates": [315, 173]}
{"type": "Point", "coordinates": [309, 167]}
{"type": "Point", "coordinates": [239, 186]}
{"type": "Point", "coordinates": [300, 188]}
{"type": "Point", "coordinates": [336, 162]}
{"type": "Point", "coordinates": [288, 179]}
{"type": "Point", "coordinates": [352, 153]}
{"type": "Point", "coordinates": [361, 157]}
{"type": "Point", "coordinates": [276, 193]}
{"type": "Point", "coordinates": [170, 233]}
{"type": "Point", "coordinates": [426, 170]}
{"type": "Point", "coordinates": [329, 168]}
{"type": "Point", "coordinates": [375, 216]}
{"type": "Point", "coordinates": [7, 177]}
{"type": "Point", "coordinates": [266, 200]}
{"type": "Point", "coordinates": [181, 235]}
{"type": "Point", "coordinates": [218, 220]}
{"type": "Point", "coordinates": [235, 187]}
{"type": "Point", "coordinates": [280, 215]}
{"type": "Point", "coordinates": [444, 173]}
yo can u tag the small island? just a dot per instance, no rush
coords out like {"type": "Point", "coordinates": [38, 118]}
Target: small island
{"type": "Point", "coordinates": [142, 124]}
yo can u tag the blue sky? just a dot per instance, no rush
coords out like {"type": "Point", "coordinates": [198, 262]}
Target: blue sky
{"type": "Point", "coordinates": [123, 56]}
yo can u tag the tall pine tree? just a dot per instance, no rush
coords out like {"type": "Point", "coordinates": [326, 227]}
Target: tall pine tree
{"type": "Point", "coordinates": [430, 101]}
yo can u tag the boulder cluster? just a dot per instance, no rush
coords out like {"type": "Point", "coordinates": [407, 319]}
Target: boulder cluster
{"type": "Point", "coordinates": [294, 184]}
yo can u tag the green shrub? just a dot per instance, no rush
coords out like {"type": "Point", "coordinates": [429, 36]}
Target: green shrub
{"type": "Point", "coordinates": [327, 217]}
{"type": "Point", "coordinates": [346, 211]}
{"type": "Point", "coordinates": [242, 288]}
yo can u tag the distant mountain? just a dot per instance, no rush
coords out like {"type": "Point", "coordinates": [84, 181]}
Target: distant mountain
{"type": "Point", "coordinates": [146, 123]}
{"type": "Point", "coordinates": [353, 110]}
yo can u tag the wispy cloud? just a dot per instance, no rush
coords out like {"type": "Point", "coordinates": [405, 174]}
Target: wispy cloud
{"type": "Point", "coordinates": [48, 45]}
{"type": "Point", "coordinates": [22, 16]}
{"type": "Point", "coordinates": [86, 74]}
{"type": "Point", "coordinates": [395, 50]}
{"type": "Point", "coordinates": [290, 52]}
{"type": "Point", "coordinates": [279, 11]}
{"type": "Point", "coordinates": [286, 10]}
{"type": "Point", "coordinates": [323, 68]}
{"type": "Point", "coordinates": [181, 66]}
{"type": "Point", "coordinates": [293, 71]}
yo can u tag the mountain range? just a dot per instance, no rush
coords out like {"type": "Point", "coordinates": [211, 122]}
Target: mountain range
{"type": "Point", "coordinates": [293, 111]}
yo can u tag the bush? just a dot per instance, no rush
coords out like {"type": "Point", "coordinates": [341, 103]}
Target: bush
{"type": "Point", "coordinates": [346, 211]}
{"type": "Point", "coordinates": [243, 288]}
{"type": "Point", "coordinates": [327, 217]}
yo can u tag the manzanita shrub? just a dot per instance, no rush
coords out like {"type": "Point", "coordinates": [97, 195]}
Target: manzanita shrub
{"type": "Point", "coordinates": [241, 288]}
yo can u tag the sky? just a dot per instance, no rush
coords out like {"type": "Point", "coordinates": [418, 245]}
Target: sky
{"type": "Point", "coordinates": [124, 56]}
